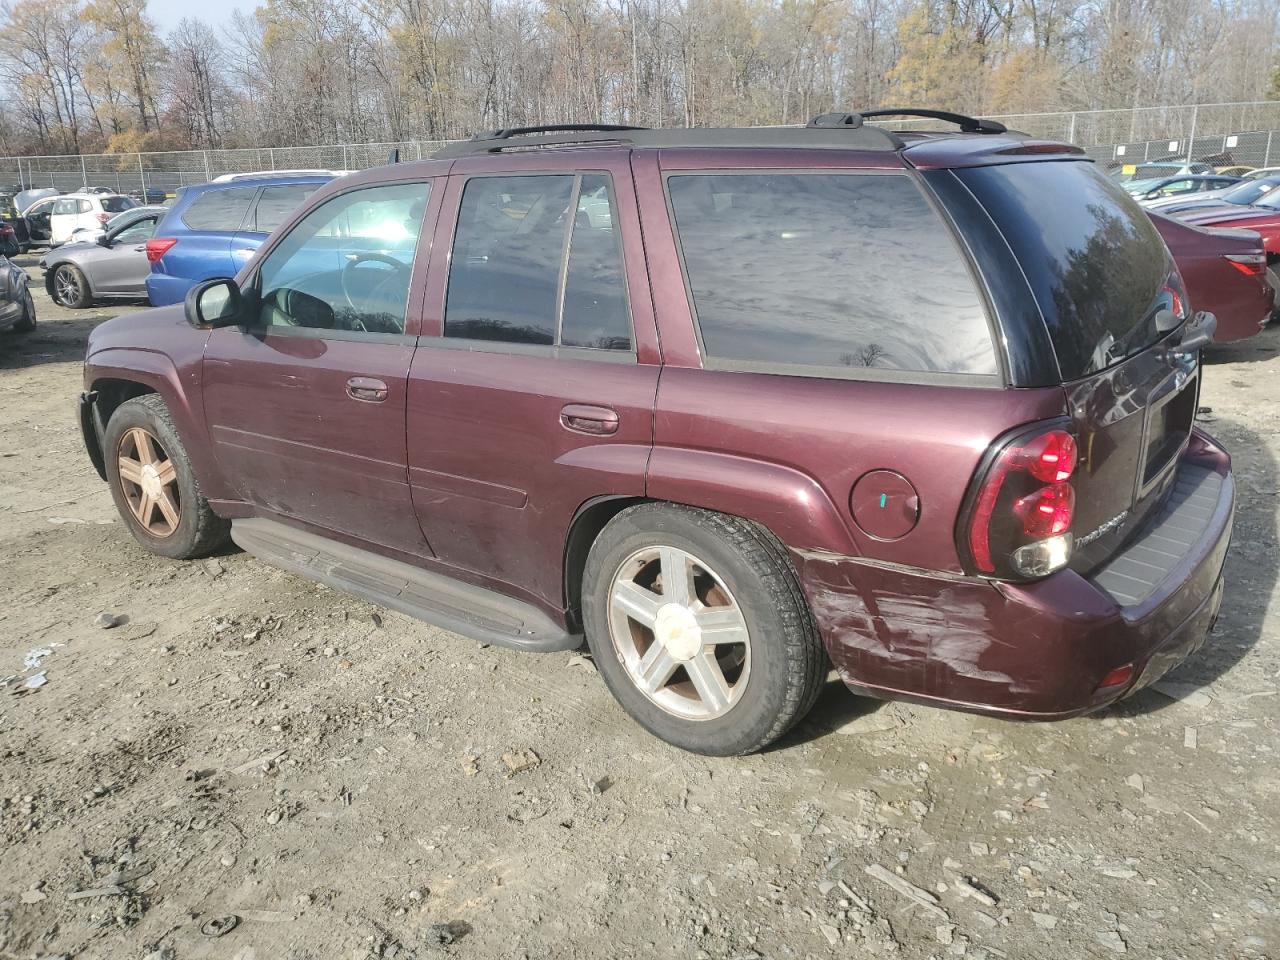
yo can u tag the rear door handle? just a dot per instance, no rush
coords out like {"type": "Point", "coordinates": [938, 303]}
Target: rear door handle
{"type": "Point", "coordinates": [589, 419]}
{"type": "Point", "coordinates": [367, 389]}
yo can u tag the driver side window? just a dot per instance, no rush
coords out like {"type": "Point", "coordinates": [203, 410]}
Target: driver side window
{"type": "Point", "coordinates": [346, 265]}
{"type": "Point", "coordinates": [136, 232]}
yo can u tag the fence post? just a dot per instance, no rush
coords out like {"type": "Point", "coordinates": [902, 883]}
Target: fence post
{"type": "Point", "coordinates": [83, 173]}
{"type": "Point", "coordinates": [1191, 141]}
{"type": "Point", "coordinates": [344, 157]}
{"type": "Point", "coordinates": [1266, 157]}
{"type": "Point", "coordinates": [142, 179]}
{"type": "Point", "coordinates": [271, 157]}
{"type": "Point", "coordinates": [1071, 133]}
{"type": "Point", "coordinates": [207, 174]}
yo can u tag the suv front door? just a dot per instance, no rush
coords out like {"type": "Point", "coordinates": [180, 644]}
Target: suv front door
{"type": "Point", "coordinates": [306, 405]}
{"type": "Point", "coordinates": [533, 387]}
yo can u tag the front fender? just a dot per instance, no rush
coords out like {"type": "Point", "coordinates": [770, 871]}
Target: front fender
{"type": "Point", "coordinates": [182, 391]}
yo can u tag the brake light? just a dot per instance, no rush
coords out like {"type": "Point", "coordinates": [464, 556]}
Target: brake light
{"type": "Point", "coordinates": [1250, 264]}
{"type": "Point", "coordinates": [1021, 515]}
{"type": "Point", "coordinates": [103, 217]}
{"type": "Point", "coordinates": [157, 247]}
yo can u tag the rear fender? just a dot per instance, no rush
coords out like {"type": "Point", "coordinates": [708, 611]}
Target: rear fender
{"type": "Point", "coordinates": [182, 394]}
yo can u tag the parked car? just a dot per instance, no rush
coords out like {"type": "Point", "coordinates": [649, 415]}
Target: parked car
{"type": "Point", "coordinates": [1224, 272]}
{"type": "Point", "coordinates": [17, 309]}
{"type": "Point", "coordinates": [1181, 186]}
{"type": "Point", "coordinates": [1262, 217]}
{"type": "Point", "coordinates": [17, 223]}
{"type": "Point", "coordinates": [111, 265]}
{"type": "Point", "coordinates": [82, 234]}
{"type": "Point", "coordinates": [213, 228]}
{"type": "Point", "coordinates": [52, 220]}
{"type": "Point", "coordinates": [725, 446]}
{"type": "Point", "coordinates": [1244, 193]}
{"type": "Point", "coordinates": [1130, 174]}
{"type": "Point", "coordinates": [1262, 172]}
{"type": "Point", "coordinates": [1235, 171]}
{"type": "Point", "coordinates": [151, 196]}
{"type": "Point", "coordinates": [23, 199]}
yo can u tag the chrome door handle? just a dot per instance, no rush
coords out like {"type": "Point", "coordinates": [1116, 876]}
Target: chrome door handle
{"type": "Point", "coordinates": [366, 389]}
{"type": "Point", "coordinates": [589, 419]}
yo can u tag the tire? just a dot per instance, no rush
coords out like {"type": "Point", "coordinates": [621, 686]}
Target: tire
{"type": "Point", "coordinates": [762, 685]}
{"type": "Point", "coordinates": [28, 321]}
{"type": "Point", "coordinates": [198, 530]}
{"type": "Point", "coordinates": [71, 287]}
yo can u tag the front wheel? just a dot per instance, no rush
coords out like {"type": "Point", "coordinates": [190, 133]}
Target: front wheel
{"type": "Point", "coordinates": [153, 485]}
{"type": "Point", "coordinates": [28, 321]}
{"type": "Point", "coordinates": [71, 287]}
{"type": "Point", "coordinates": [698, 625]}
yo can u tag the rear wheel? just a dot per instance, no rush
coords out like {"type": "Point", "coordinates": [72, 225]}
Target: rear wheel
{"type": "Point", "coordinates": [699, 627]}
{"type": "Point", "coordinates": [71, 287]}
{"type": "Point", "coordinates": [153, 485]}
{"type": "Point", "coordinates": [28, 321]}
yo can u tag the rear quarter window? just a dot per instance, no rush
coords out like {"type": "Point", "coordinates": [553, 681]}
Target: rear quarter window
{"type": "Point", "coordinates": [219, 210]}
{"type": "Point", "coordinates": [827, 274]}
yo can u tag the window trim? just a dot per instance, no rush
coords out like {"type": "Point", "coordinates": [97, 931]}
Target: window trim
{"type": "Point", "coordinates": [554, 350]}
{"type": "Point", "coordinates": [995, 380]}
{"type": "Point", "coordinates": [253, 282]}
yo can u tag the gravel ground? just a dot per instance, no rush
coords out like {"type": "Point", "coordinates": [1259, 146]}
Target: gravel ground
{"type": "Point", "coordinates": [254, 767]}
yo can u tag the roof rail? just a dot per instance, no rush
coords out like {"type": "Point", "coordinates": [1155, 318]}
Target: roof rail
{"type": "Point", "coordinates": [846, 135]}
{"type": "Point", "coordinates": [966, 124]}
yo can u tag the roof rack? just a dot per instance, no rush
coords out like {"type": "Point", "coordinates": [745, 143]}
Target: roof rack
{"type": "Point", "coordinates": [966, 124]}
{"type": "Point", "coordinates": [845, 135]}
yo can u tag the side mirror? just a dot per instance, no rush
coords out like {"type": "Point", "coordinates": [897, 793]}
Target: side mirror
{"type": "Point", "coordinates": [1198, 333]}
{"type": "Point", "coordinates": [215, 303]}
{"type": "Point", "coordinates": [103, 240]}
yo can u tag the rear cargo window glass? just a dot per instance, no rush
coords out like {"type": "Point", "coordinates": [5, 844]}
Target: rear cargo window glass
{"type": "Point", "coordinates": [221, 210]}
{"type": "Point", "coordinates": [118, 204]}
{"type": "Point", "coordinates": [828, 270]}
{"type": "Point", "coordinates": [1095, 262]}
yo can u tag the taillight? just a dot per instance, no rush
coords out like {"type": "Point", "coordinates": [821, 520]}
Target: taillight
{"type": "Point", "coordinates": [157, 247]}
{"type": "Point", "coordinates": [1250, 264]}
{"type": "Point", "coordinates": [1020, 516]}
{"type": "Point", "coordinates": [103, 217]}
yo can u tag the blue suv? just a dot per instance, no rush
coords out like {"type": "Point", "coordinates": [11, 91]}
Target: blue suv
{"type": "Point", "coordinates": [213, 228]}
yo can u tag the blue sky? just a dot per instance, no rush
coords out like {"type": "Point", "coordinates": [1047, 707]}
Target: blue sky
{"type": "Point", "coordinates": [167, 13]}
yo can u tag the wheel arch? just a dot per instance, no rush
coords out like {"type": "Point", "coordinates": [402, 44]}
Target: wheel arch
{"type": "Point", "coordinates": [588, 521]}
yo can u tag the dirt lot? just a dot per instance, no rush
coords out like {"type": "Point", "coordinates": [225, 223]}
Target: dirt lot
{"type": "Point", "coordinates": [349, 783]}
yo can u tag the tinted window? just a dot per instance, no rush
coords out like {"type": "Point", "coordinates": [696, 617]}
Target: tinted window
{"type": "Point", "coordinates": [118, 204]}
{"type": "Point", "coordinates": [595, 297]}
{"type": "Point", "coordinates": [222, 210]}
{"type": "Point", "coordinates": [61, 207]}
{"type": "Point", "coordinates": [137, 231]}
{"type": "Point", "coordinates": [83, 206]}
{"type": "Point", "coordinates": [504, 277]}
{"type": "Point", "coordinates": [828, 270]}
{"type": "Point", "coordinates": [276, 203]}
{"type": "Point", "coordinates": [346, 265]}
{"type": "Point", "coordinates": [1248, 192]}
{"type": "Point", "coordinates": [1093, 258]}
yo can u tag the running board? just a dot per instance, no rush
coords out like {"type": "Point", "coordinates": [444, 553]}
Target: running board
{"type": "Point", "coordinates": [439, 600]}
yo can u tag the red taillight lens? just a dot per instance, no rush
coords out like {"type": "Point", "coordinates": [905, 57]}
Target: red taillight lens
{"type": "Point", "coordinates": [1025, 500]}
{"type": "Point", "coordinates": [157, 247]}
{"type": "Point", "coordinates": [1047, 512]}
{"type": "Point", "coordinates": [103, 217]}
{"type": "Point", "coordinates": [1250, 264]}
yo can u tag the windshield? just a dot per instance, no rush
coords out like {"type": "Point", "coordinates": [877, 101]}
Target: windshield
{"type": "Point", "coordinates": [1249, 192]}
{"type": "Point", "coordinates": [1096, 265]}
{"type": "Point", "coordinates": [118, 204]}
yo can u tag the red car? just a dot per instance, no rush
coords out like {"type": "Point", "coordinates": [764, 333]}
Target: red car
{"type": "Point", "coordinates": [732, 405]}
{"type": "Point", "coordinates": [1225, 273]}
{"type": "Point", "coordinates": [1263, 218]}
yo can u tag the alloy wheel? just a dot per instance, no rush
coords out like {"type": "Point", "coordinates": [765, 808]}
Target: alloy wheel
{"type": "Point", "coordinates": [679, 633]}
{"type": "Point", "coordinates": [66, 286]}
{"type": "Point", "coordinates": [149, 482]}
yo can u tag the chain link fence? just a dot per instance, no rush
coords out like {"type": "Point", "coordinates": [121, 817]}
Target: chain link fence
{"type": "Point", "coordinates": [1221, 134]}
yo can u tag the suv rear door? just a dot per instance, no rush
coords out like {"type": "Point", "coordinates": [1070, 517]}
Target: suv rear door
{"type": "Point", "coordinates": [271, 206]}
{"type": "Point", "coordinates": [533, 386]}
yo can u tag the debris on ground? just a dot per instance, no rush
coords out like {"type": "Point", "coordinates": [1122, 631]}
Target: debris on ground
{"type": "Point", "coordinates": [909, 890]}
{"type": "Point", "coordinates": [518, 761]}
{"type": "Point", "coordinates": [108, 621]}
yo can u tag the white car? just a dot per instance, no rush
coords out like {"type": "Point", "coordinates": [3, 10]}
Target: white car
{"type": "Point", "coordinates": [74, 211]}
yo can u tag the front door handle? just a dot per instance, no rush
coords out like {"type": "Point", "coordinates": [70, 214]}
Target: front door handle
{"type": "Point", "coordinates": [589, 419]}
{"type": "Point", "coordinates": [367, 389]}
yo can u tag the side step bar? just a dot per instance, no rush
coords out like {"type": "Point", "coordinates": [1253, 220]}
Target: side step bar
{"type": "Point", "coordinates": [461, 607]}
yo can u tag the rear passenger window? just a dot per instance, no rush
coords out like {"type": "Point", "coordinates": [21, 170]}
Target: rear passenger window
{"type": "Point", "coordinates": [221, 210]}
{"type": "Point", "coordinates": [508, 278]}
{"type": "Point", "coordinates": [838, 271]}
{"type": "Point", "coordinates": [276, 203]}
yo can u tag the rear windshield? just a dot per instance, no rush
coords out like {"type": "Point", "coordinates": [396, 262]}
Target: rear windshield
{"type": "Point", "coordinates": [1095, 262]}
{"type": "Point", "coordinates": [118, 204]}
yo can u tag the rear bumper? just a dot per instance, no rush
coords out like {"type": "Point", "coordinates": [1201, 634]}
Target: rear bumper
{"type": "Point", "coordinates": [1034, 651]}
{"type": "Point", "coordinates": [163, 290]}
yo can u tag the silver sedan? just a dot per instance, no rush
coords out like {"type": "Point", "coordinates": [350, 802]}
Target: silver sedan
{"type": "Point", "coordinates": [111, 265]}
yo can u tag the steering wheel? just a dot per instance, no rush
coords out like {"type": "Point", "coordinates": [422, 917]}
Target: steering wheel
{"type": "Point", "coordinates": [348, 273]}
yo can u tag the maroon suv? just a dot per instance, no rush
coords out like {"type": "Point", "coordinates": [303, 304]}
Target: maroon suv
{"type": "Point", "coordinates": [728, 402]}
